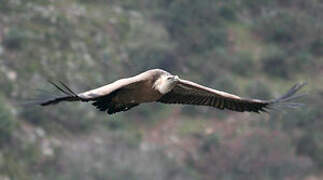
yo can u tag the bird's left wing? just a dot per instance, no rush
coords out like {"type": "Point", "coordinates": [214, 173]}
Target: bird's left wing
{"type": "Point", "coordinates": [187, 92]}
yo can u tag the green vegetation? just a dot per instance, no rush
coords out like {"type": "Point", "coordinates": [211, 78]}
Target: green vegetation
{"type": "Point", "coordinates": [7, 123]}
{"type": "Point", "coordinates": [251, 48]}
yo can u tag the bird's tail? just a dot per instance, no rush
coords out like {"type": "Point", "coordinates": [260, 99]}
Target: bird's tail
{"type": "Point", "coordinates": [69, 95]}
{"type": "Point", "coordinates": [287, 99]}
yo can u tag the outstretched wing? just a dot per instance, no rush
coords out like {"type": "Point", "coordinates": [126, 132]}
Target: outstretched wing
{"type": "Point", "coordinates": [101, 93]}
{"type": "Point", "coordinates": [187, 92]}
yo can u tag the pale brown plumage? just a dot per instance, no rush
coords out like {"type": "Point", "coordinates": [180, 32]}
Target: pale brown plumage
{"type": "Point", "coordinates": [160, 86]}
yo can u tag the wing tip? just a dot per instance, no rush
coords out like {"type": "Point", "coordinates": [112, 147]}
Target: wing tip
{"type": "Point", "coordinates": [286, 100]}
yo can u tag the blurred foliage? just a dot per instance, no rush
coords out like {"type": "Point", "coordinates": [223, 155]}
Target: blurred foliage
{"type": "Point", "coordinates": [257, 49]}
{"type": "Point", "coordinates": [14, 39]}
{"type": "Point", "coordinates": [275, 64]}
{"type": "Point", "coordinates": [250, 156]}
{"type": "Point", "coordinates": [309, 120]}
{"type": "Point", "coordinates": [258, 90]}
{"type": "Point", "coordinates": [7, 123]}
{"type": "Point", "coordinates": [243, 65]}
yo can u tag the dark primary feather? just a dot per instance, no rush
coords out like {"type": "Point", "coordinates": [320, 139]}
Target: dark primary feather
{"type": "Point", "coordinates": [290, 95]}
{"type": "Point", "coordinates": [285, 100]}
{"type": "Point", "coordinates": [199, 95]}
{"type": "Point", "coordinates": [69, 95]}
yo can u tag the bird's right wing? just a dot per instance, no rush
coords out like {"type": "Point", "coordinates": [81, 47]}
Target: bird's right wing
{"type": "Point", "coordinates": [91, 95]}
{"type": "Point", "coordinates": [108, 89]}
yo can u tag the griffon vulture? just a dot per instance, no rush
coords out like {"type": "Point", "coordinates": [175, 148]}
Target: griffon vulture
{"type": "Point", "coordinates": [157, 85]}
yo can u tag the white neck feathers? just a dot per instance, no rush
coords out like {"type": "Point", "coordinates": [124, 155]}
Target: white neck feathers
{"type": "Point", "coordinates": [163, 85]}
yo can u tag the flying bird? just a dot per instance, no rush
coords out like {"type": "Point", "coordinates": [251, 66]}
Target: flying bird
{"type": "Point", "coordinates": [157, 85]}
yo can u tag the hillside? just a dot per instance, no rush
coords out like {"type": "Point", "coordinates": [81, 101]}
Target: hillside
{"type": "Point", "coordinates": [255, 49]}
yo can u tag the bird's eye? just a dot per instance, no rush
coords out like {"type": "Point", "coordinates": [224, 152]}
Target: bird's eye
{"type": "Point", "coordinates": [169, 77]}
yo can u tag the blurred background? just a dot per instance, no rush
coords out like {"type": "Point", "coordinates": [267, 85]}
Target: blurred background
{"type": "Point", "coordinates": [251, 48]}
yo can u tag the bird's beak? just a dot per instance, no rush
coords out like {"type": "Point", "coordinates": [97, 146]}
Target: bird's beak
{"type": "Point", "coordinates": [176, 78]}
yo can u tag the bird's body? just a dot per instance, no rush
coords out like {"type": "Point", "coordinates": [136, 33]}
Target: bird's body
{"type": "Point", "coordinates": [157, 85]}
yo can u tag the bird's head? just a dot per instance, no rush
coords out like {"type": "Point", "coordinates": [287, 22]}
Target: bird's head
{"type": "Point", "coordinates": [172, 78]}
{"type": "Point", "coordinates": [166, 83]}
